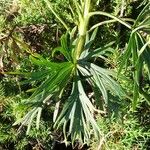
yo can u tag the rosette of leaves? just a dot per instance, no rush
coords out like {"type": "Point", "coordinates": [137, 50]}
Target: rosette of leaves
{"type": "Point", "coordinates": [74, 112]}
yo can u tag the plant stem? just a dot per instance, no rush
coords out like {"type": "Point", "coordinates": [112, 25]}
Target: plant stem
{"type": "Point", "coordinates": [83, 25]}
{"type": "Point", "coordinates": [56, 15]}
{"type": "Point", "coordinates": [111, 16]}
{"type": "Point", "coordinates": [79, 47]}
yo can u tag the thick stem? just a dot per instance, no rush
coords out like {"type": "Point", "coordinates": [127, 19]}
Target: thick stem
{"type": "Point", "coordinates": [81, 39]}
{"type": "Point", "coordinates": [80, 46]}
{"type": "Point", "coordinates": [87, 8]}
{"type": "Point", "coordinates": [83, 26]}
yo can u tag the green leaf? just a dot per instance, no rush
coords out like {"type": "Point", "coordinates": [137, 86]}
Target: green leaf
{"type": "Point", "coordinates": [145, 55]}
{"type": "Point", "coordinates": [100, 85]}
{"type": "Point", "coordinates": [87, 54]}
{"type": "Point", "coordinates": [90, 42]}
{"type": "Point", "coordinates": [78, 113]}
{"type": "Point", "coordinates": [38, 117]}
{"type": "Point", "coordinates": [101, 81]}
{"type": "Point", "coordinates": [57, 80]}
{"type": "Point", "coordinates": [143, 14]}
{"type": "Point", "coordinates": [40, 61]}
{"type": "Point", "coordinates": [36, 76]}
{"type": "Point", "coordinates": [135, 96]}
{"type": "Point", "coordinates": [66, 47]}
{"type": "Point", "coordinates": [111, 84]}
{"type": "Point", "coordinates": [145, 95]}
{"type": "Point", "coordinates": [33, 115]}
{"type": "Point", "coordinates": [56, 111]}
{"type": "Point", "coordinates": [78, 10]}
{"type": "Point", "coordinates": [125, 57]}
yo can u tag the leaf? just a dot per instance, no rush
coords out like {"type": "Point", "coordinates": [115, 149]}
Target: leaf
{"type": "Point", "coordinates": [52, 85]}
{"type": "Point", "coordinates": [25, 119]}
{"type": "Point", "coordinates": [145, 95]}
{"type": "Point", "coordinates": [33, 115]}
{"type": "Point", "coordinates": [66, 47]}
{"type": "Point", "coordinates": [72, 34]}
{"type": "Point", "coordinates": [145, 55]}
{"type": "Point", "coordinates": [77, 113]}
{"type": "Point", "coordinates": [100, 85]}
{"type": "Point", "coordinates": [94, 82]}
{"type": "Point", "coordinates": [90, 42]}
{"type": "Point", "coordinates": [143, 48]}
{"type": "Point", "coordinates": [57, 80]}
{"type": "Point", "coordinates": [86, 54]}
{"type": "Point", "coordinates": [143, 14]}
{"type": "Point", "coordinates": [38, 117]}
{"type": "Point", "coordinates": [108, 81]}
{"type": "Point", "coordinates": [135, 96]}
{"type": "Point", "coordinates": [40, 61]}
{"type": "Point", "coordinates": [36, 76]}
{"type": "Point", "coordinates": [56, 111]}
{"type": "Point", "coordinates": [58, 49]}
{"type": "Point", "coordinates": [101, 81]}
{"type": "Point", "coordinates": [78, 10]}
{"type": "Point", "coordinates": [134, 49]}
{"type": "Point", "coordinates": [28, 119]}
{"type": "Point", "coordinates": [125, 57]}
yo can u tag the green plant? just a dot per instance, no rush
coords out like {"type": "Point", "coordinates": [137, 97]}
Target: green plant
{"type": "Point", "coordinates": [10, 136]}
{"type": "Point", "coordinates": [124, 134]}
{"type": "Point", "coordinates": [138, 48]}
{"type": "Point", "coordinates": [83, 65]}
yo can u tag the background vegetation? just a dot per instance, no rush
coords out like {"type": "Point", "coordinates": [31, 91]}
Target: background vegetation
{"type": "Point", "coordinates": [29, 33]}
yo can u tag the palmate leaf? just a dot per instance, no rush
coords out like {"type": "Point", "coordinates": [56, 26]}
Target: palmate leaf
{"type": "Point", "coordinates": [101, 80]}
{"type": "Point", "coordinates": [76, 116]}
{"type": "Point", "coordinates": [95, 81]}
{"type": "Point", "coordinates": [77, 112]}
{"type": "Point", "coordinates": [55, 81]}
{"type": "Point", "coordinates": [28, 118]}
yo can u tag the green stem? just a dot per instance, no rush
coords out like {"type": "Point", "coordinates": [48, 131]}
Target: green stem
{"type": "Point", "coordinates": [57, 16]}
{"type": "Point", "coordinates": [83, 26]}
{"type": "Point", "coordinates": [87, 8]}
{"type": "Point", "coordinates": [139, 28]}
{"type": "Point", "coordinates": [79, 47]}
{"type": "Point", "coordinates": [109, 21]}
{"type": "Point", "coordinates": [110, 16]}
